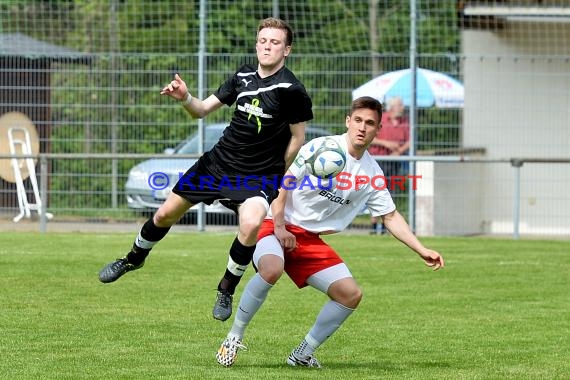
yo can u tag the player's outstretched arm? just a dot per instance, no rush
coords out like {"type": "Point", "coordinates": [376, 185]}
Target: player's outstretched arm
{"type": "Point", "coordinates": [197, 108]}
{"type": "Point", "coordinates": [296, 142]}
{"type": "Point", "coordinates": [286, 239]}
{"type": "Point", "coordinates": [399, 228]}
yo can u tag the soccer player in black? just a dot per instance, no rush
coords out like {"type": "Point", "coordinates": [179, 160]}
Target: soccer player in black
{"type": "Point", "coordinates": [244, 169]}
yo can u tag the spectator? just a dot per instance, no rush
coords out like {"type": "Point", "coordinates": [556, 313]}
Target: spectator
{"type": "Point", "coordinates": [393, 139]}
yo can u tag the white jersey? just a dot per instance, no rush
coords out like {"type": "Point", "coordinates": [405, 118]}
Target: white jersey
{"type": "Point", "coordinates": [328, 206]}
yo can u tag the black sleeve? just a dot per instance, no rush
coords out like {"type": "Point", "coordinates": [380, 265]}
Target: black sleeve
{"type": "Point", "coordinates": [297, 104]}
{"type": "Point", "coordinates": [227, 93]}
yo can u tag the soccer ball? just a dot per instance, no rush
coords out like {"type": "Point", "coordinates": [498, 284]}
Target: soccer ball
{"type": "Point", "coordinates": [328, 159]}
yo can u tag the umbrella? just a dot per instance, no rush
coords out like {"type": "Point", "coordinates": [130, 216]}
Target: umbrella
{"type": "Point", "coordinates": [432, 88]}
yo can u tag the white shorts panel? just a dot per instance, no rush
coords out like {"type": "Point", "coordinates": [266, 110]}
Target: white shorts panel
{"type": "Point", "coordinates": [323, 279]}
{"type": "Point", "coordinates": [268, 245]}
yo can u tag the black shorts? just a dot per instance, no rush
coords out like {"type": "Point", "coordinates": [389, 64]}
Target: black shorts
{"type": "Point", "coordinates": [206, 182]}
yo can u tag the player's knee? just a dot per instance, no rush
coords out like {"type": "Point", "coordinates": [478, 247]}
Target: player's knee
{"type": "Point", "coordinates": [162, 218]}
{"type": "Point", "coordinates": [251, 216]}
{"type": "Point", "coordinates": [347, 294]}
{"type": "Point", "coordinates": [351, 296]}
{"type": "Point", "coordinates": [249, 228]}
{"type": "Point", "coordinates": [271, 275]}
{"type": "Point", "coordinates": [356, 297]}
{"type": "Point", "coordinates": [271, 272]}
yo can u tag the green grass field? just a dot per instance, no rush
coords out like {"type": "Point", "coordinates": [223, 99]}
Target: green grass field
{"type": "Point", "coordinates": [499, 310]}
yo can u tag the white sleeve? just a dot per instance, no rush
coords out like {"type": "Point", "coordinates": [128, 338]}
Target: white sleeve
{"type": "Point", "coordinates": [380, 203]}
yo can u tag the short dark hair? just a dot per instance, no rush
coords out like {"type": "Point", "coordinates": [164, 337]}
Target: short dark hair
{"type": "Point", "coordinates": [276, 23]}
{"type": "Point", "coordinates": [367, 102]}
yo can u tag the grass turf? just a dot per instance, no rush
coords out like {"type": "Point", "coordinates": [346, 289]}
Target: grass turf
{"type": "Point", "coordinates": [499, 310]}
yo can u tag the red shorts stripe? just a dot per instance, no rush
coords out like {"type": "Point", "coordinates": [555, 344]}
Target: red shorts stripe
{"type": "Point", "coordinates": [311, 255]}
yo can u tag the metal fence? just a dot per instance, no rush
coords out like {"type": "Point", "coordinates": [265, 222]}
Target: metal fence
{"type": "Point", "coordinates": [86, 76]}
{"type": "Point", "coordinates": [442, 206]}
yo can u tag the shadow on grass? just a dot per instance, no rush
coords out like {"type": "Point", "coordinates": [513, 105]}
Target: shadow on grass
{"type": "Point", "coordinates": [360, 366]}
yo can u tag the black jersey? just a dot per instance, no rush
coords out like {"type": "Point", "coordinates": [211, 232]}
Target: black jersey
{"type": "Point", "coordinates": [257, 137]}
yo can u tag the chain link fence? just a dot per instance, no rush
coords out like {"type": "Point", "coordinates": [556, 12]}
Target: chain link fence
{"type": "Point", "coordinates": [87, 76]}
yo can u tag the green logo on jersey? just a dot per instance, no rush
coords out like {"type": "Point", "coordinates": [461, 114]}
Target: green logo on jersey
{"type": "Point", "coordinates": [255, 104]}
{"type": "Point", "coordinates": [299, 161]}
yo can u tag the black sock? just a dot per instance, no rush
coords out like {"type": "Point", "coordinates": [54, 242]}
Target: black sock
{"type": "Point", "coordinates": [137, 255]}
{"type": "Point", "coordinates": [241, 255]}
{"type": "Point", "coordinates": [374, 227]}
{"type": "Point", "coordinates": [150, 232]}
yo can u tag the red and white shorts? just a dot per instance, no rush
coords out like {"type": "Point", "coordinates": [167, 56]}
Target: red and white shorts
{"type": "Point", "coordinates": [313, 262]}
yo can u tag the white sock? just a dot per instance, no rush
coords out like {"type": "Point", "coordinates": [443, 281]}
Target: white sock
{"type": "Point", "coordinates": [331, 316]}
{"type": "Point", "coordinates": [253, 296]}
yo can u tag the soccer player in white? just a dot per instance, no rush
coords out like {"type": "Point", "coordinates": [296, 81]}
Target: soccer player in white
{"type": "Point", "coordinates": [289, 238]}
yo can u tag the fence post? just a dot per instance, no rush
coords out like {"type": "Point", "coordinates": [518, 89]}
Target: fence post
{"type": "Point", "coordinates": [413, 113]}
{"type": "Point", "coordinates": [517, 164]}
{"type": "Point", "coordinates": [43, 193]}
{"type": "Point", "coordinates": [201, 213]}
